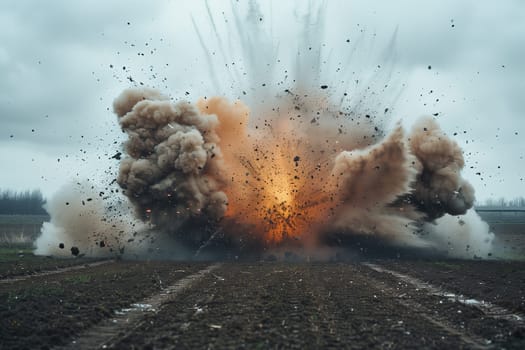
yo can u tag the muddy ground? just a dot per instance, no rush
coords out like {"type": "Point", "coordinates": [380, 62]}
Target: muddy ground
{"type": "Point", "coordinates": [266, 305]}
{"type": "Point", "coordinates": [21, 261]}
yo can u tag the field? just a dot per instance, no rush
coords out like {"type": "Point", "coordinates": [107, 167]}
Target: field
{"type": "Point", "coordinates": [509, 228]}
{"type": "Point", "coordinates": [363, 303]}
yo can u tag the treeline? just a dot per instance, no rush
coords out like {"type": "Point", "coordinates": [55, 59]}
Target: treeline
{"type": "Point", "coordinates": [21, 203]}
{"type": "Point", "coordinates": [502, 202]}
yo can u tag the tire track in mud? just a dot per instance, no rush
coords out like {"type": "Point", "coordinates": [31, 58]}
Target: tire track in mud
{"type": "Point", "coordinates": [8, 280]}
{"type": "Point", "coordinates": [126, 320]}
{"type": "Point", "coordinates": [268, 305]}
{"type": "Point", "coordinates": [472, 340]}
{"type": "Point", "coordinates": [51, 311]}
{"type": "Point", "coordinates": [489, 309]}
{"type": "Point", "coordinates": [501, 283]}
{"type": "Point", "coordinates": [276, 305]}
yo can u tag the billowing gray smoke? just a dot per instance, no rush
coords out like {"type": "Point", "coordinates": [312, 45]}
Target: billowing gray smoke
{"type": "Point", "coordinates": [173, 170]}
{"type": "Point", "coordinates": [439, 188]}
{"type": "Point", "coordinates": [205, 165]}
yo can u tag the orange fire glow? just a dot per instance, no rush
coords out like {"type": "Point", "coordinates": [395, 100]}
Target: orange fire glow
{"type": "Point", "coordinates": [276, 184]}
{"type": "Point", "coordinates": [276, 200]}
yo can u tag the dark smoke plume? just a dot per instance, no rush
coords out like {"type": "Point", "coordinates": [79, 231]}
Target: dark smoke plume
{"type": "Point", "coordinates": [439, 189]}
{"type": "Point", "coordinates": [173, 169]}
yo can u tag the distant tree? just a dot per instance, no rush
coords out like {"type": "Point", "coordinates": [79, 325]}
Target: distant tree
{"type": "Point", "coordinates": [490, 202]}
{"type": "Point", "coordinates": [517, 202]}
{"type": "Point", "coordinates": [20, 203]}
{"type": "Point", "coordinates": [502, 202]}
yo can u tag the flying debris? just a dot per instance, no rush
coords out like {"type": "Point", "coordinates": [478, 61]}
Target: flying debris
{"type": "Point", "coordinates": [191, 168]}
{"type": "Point", "coordinates": [304, 163]}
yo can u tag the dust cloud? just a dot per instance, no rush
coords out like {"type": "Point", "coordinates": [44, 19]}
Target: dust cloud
{"type": "Point", "coordinates": [283, 181]}
{"type": "Point", "coordinates": [85, 221]}
{"type": "Point", "coordinates": [298, 165]}
{"type": "Point", "coordinates": [205, 175]}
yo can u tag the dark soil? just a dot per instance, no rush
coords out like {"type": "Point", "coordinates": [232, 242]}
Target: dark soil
{"type": "Point", "coordinates": [276, 305]}
{"type": "Point", "coordinates": [45, 311]}
{"type": "Point", "coordinates": [17, 262]}
{"type": "Point", "coordinates": [269, 305]}
{"type": "Point", "coordinates": [499, 282]}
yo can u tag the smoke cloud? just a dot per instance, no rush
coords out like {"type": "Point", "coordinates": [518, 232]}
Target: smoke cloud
{"type": "Point", "coordinates": [84, 223]}
{"type": "Point", "coordinates": [280, 180]}
{"type": "Point", "coordinates": [173, 171]}
{"type": "Point", "coordinates": [439, 189]}
{"type": "Point", "coordinates": [304, 167]}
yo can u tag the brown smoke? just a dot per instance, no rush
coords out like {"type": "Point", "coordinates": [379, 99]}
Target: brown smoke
{"type": "Point", "coordinates": [284, 177]}
{"type": "Point", "coordinates": [85, 223]}
{"type": "Point", "coordinates": [370, 181]}
{"type": "Point", "coordinates": [439, 189]}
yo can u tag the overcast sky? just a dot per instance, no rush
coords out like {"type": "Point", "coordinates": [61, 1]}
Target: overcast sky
{"type": "Point", "coordinates": [63, 62]}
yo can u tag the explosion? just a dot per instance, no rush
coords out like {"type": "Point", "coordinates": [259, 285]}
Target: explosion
{"type": "Point", "coordinates": [289, 179]}
{"type": "Point", "coordinates": [269, 174]}
{"type": "Point", "coordinates": [297, 164]}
